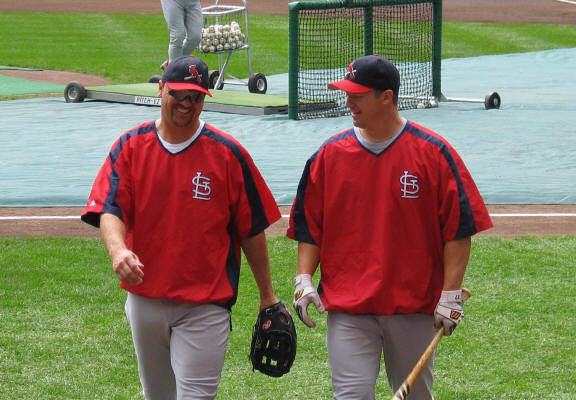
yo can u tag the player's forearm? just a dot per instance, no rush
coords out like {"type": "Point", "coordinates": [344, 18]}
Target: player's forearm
{"type": "Point", "coordinates": [113, 233]}
{"type": "Point", "coordinates": [456, 256]}
{"type": "Point", "coordinates": [256, 251]}
{"type": "Point", "coordinates": [308, 258]}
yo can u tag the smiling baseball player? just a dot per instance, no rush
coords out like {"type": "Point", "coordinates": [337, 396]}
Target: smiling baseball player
{"type": "Point", "coordinates": [387, 209]}
{"type": "Point", "coordinates": [176, 200]}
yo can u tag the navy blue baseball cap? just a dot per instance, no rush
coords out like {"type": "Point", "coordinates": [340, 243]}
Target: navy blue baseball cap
{"type": "Point", "coordinates": [187, 73]}
{"type": "Point", "coordinates": [368, 73]}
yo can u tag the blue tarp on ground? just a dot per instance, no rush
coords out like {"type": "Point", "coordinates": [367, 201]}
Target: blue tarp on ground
{"type": "Point", "coordinates": [523, 153]}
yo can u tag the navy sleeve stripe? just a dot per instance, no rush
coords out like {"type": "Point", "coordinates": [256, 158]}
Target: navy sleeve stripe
{"type": "Point", "coordinates": [110, 204]}
{"type": "Point", "coordinates": [259, 218]}
{"type": "Point", "coordinates": [466, 225]}
{"type": "Point", "coordinates": [301, 228]}
{"type": "Point", "coordinates": [335, 138]}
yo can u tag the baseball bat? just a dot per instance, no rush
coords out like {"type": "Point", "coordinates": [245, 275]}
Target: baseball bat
{"type": "Point", "coordinates": [404, 389]}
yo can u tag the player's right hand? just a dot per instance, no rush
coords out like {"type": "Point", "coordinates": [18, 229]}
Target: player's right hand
{"type": "Point", "coordinates": [304, 294]}
{"type": "Point", "coordinates": [128, 267]}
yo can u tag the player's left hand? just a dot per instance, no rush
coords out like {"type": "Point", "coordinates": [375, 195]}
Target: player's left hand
{"type": "Point", "coordinates": [449, 312]}
{"type": "Point", "coordinates": [273, 347]}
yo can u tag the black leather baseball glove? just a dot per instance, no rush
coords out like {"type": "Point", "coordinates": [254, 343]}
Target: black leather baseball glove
{"type": "Point", "coordinates": [273, 346]}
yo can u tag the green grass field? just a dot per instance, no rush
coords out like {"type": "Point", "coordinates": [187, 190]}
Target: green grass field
{"type": "Point", "coordinates": [129, 48]}
{"type": "Point", "coordinates": [64, 334]}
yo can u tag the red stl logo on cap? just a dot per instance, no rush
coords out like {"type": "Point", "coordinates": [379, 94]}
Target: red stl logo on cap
{"type": "Point", "coordinates": [194, 74]}
{"type": "Point", "coordinates": [351, 74]}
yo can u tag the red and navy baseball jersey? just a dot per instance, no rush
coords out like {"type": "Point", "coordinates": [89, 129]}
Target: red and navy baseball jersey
{"type": "Point", "coordinates": [185, 213]}
{"type": "Point", "coordinates": [381, 220]}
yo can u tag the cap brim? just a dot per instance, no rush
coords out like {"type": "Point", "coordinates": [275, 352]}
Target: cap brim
{"type": "Point", "coordinates": [349, 86]}
{"type": "Point", "coordinates": [187, 86]}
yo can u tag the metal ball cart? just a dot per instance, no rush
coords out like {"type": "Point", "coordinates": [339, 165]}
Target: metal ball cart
{"type": "Point", "coordinates": [224, 35]}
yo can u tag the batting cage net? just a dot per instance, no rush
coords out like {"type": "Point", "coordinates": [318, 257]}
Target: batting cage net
{"type": "Point", "coordinates": [325, 36]}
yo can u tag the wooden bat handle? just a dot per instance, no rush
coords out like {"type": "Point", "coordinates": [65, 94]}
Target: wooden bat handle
{"type": "Point", "coordinates": [406, 387]}
{"type": "Point", "coordinates": [404, 390]}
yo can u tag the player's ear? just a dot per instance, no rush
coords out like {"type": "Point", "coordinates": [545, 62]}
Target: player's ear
{"type": "Point", "coordinates": [160, 87]}
{"type": "Point", "coordinates": [387, 96]}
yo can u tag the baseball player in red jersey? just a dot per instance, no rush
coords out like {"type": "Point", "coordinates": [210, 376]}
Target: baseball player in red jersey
{"type": "Point", "coordinates": [176, 201]}
{"type": "Point", "coordinates": [387, 209]}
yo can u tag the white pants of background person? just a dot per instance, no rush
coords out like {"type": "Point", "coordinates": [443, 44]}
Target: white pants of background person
{"type": "Point", "coordinates": [180, 347]}
{"type": "Point", "coordinates": [184, 20]}
{"type": "Point", "coordinates": [356, 344]}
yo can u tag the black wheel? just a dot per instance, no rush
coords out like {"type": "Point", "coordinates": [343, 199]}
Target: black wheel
{"type": "Point", "coordinates": [213, 79]}
{"type": "Point", "coordinates": [257, 83]}
{"type": "Point", "coordinates": [492, 100]}
{"type": "Point", "coordinates": [154, 78]}
{"type": "Point", "coordinates": [74, 92]}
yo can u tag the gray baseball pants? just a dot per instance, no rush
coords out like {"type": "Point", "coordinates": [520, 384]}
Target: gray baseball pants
{"type": "Point", "coordinates": [357, 342]}
{"type": "Point", "coordinates": [180, 347]}
{"type": "Point", "coordinates": [185, 22]}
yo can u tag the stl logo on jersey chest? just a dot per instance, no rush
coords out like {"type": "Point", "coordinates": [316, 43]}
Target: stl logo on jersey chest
{"type": "Point", "coordinates": [202, 188]}
{"type": "Point", "coordinates": [410, 187]}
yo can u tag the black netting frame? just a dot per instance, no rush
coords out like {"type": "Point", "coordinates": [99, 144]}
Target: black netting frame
{"type": "Point", "coordinates": [327, 39]}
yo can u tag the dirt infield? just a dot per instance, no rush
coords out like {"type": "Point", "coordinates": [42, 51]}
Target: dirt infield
{"type": "Point", "coordinates": [59, 77]}
{"type": "Point", "coordinates": [509, 221]}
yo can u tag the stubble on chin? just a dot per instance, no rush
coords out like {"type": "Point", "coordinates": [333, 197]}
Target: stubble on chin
{"type": "Point", "coordinates": [183, 122]}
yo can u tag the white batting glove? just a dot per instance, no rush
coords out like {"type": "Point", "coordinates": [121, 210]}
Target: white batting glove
{"type": "Point", "coordinates": [304, 294]}
{"type": "Point", "coordinates": [448, 313]}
